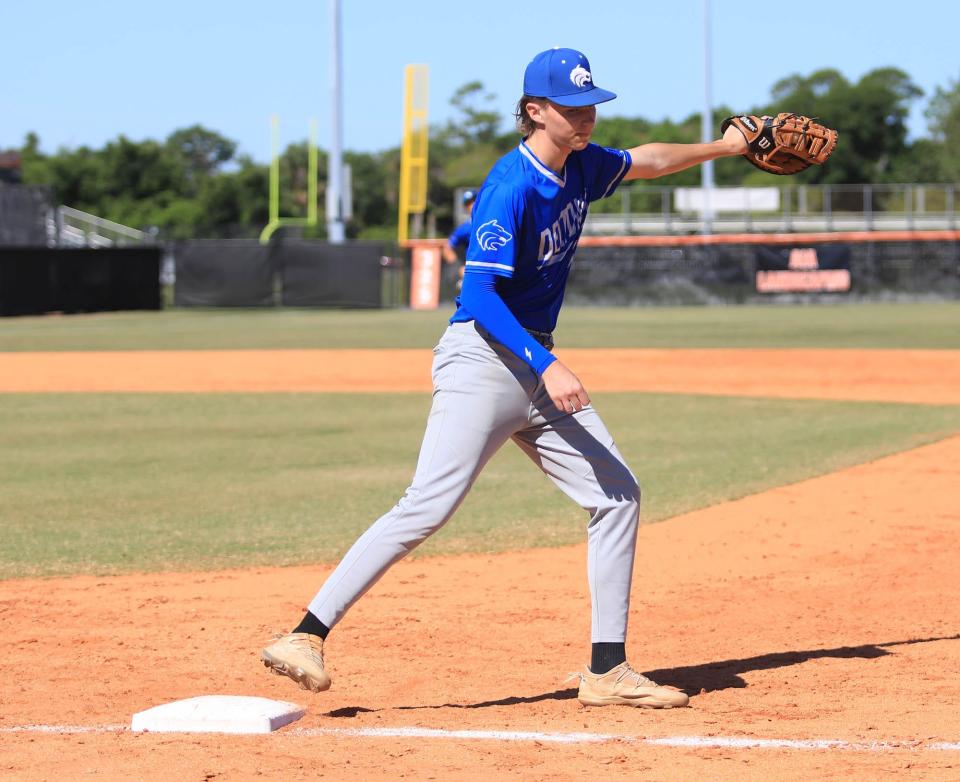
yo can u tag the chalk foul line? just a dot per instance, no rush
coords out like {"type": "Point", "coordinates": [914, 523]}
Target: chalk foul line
{"type": "Point", "coordinates": [691, 742]}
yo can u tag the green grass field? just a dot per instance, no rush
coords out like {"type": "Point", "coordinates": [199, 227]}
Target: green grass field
{"type": "Point", "coordinates": [103, 483]}
{"type": "Point", "coordinates": [934, 326]}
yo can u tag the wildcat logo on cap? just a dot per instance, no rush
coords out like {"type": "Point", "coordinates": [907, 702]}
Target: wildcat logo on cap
{"type": "Point", "coordinates": [580, 76]}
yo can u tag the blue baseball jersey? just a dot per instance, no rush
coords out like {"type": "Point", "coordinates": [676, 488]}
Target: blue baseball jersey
{"type": "Point", "coordinates": [526, 224]}
{"type": "Point", "coordinates": [460, 236]}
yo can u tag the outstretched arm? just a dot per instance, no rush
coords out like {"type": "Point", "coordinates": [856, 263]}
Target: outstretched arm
{"type": "Point", "coordinates": [657, 159]}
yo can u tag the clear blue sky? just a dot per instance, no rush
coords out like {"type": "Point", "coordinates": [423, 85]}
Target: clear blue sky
{"type": "Point", "coordinates": [84, 73]}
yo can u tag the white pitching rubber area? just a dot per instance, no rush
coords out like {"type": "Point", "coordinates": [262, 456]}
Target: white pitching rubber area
{"type": "Point", "coordinates": [217, 714]}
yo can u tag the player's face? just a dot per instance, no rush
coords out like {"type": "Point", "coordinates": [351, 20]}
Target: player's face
{"type": "Point", "coordinates": [570, 126]}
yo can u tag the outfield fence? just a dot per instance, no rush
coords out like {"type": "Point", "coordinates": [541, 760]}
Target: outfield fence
{"type": "Point", "coordinates": [752, 267]}
{"type": "Point", "coordinates": [291, 273]}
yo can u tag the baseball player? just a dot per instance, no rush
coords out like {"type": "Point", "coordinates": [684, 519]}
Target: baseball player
{"type": "Point", "coordinates": [460, 238]}
{"type": "Point", "coordinates": [495, 378]}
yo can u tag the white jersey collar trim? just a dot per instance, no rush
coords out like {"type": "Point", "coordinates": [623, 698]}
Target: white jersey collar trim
{"type": "Point", "coordinates": [548, 172]}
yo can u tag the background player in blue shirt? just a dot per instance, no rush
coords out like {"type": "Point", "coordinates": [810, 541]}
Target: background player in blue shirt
{"type": "Point", "coordinates": [459, 240]}
{"type": "Point", "coordinates": [495, 378]}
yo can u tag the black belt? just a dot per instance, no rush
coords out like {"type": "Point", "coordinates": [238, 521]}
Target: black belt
{"type": "Point", "coordinates": [545, 338]}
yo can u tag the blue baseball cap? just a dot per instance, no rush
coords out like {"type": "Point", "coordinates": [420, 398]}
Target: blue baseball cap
{"type": "Point", "coordinates": [468, 196]}
{"type": "Point", "coordinates": [563, 76]}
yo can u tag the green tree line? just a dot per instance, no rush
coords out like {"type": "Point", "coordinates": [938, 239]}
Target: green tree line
{"type": "Point", "coordinates": [196, 184]}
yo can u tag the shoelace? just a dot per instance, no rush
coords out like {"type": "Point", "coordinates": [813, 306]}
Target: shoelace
{"type": "Point", "coordinates": [307, 647]}
{"type": "Point", "coordinates": [625, 674]}
{"type": "Point", "coordinates": [641, 680]}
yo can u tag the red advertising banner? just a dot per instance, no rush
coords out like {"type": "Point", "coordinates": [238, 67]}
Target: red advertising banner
{"type": "Point", "coordinates": [425, 277]}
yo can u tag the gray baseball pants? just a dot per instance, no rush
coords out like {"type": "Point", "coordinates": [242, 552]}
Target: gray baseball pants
{"type": "Point", "coordinates": [483, 396]}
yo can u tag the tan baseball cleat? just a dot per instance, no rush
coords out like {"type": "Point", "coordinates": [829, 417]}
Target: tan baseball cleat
{"type": "Point", "coordinates": [625, 687]}
{"type": "Point", "coordinates": [299, 656]}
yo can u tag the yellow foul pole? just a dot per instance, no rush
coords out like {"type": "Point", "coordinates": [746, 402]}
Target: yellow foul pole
{"type": "Point", "coordinates": [413, 150]}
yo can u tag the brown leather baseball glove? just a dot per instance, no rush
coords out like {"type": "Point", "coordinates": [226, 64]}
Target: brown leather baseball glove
{"type": "Point", "coordinates": [785, 144]}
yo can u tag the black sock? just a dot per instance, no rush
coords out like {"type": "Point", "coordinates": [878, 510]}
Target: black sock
{"type": "Point", "coordinates": [310, 624]}
{"type": "Point", "coordinates": [607, 656]}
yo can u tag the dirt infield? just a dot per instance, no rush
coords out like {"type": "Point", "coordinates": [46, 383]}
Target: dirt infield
{"type": "Point", "coordinates": [816, 627]}
{"type": "Point", "coordinates": [920, 376]}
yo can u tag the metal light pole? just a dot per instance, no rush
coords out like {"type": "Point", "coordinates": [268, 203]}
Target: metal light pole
{"type": "Point", "coordinates": [335, 230]}
{"type": "Point", "coordinates": [706, 124]}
